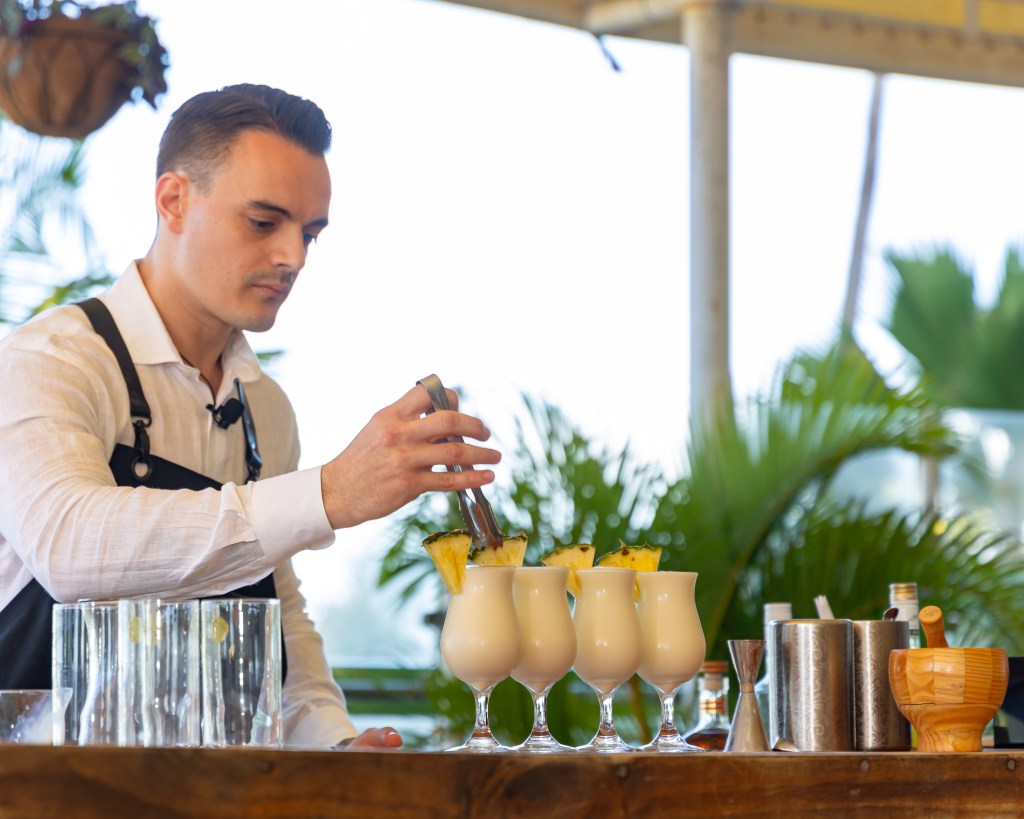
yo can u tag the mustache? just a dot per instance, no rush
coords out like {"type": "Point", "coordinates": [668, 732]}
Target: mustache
{"type": "Point", "coordinates": [274, 279]}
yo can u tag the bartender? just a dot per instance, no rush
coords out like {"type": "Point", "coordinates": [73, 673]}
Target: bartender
{"type": "Point", "coordinates": [144, 452]}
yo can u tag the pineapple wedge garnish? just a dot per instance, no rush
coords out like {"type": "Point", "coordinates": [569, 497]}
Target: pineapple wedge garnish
{"type": "Point", "coordinates": [641, 558]}
{"type": "Point", "coordinates": [576, 557]}
{"type": "Point", "coordinates": [511, 552]}
{"type": "Point", "coordinates": [449, 551]}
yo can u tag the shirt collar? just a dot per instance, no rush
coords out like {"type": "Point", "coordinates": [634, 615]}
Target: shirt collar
{"type": "Point", "coordinates": [147, 338]}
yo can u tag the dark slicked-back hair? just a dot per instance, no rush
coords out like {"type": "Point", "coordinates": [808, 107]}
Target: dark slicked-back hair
{"type": "Point", "coordinates": [201, 131]}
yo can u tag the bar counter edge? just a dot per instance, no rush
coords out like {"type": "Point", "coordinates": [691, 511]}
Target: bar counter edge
{"type": "Point", "coordinates": [73, 783]}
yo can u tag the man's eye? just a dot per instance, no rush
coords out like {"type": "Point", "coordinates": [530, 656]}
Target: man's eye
{"type": "Point", "coordinates": [261, 224]}
{"type": "Point", "coordinates": [308, 239]}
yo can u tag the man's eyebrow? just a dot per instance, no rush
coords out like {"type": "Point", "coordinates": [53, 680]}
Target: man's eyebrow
{"type": "Point", "coordinates": [259, 204]}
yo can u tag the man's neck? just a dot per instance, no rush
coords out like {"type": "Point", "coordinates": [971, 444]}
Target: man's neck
{"type": "Point", "coordinates": [200, 342]}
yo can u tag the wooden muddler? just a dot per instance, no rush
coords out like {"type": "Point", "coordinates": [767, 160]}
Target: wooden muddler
{"type": "Point", "coordinates": [934, 629]}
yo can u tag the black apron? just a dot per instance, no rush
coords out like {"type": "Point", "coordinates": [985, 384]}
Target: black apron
{"type": "Point", "coordinates": [26, 622]}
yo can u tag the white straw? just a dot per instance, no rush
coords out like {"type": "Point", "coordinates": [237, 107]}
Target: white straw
{"type": "Point", "coordinates": [824, 609]}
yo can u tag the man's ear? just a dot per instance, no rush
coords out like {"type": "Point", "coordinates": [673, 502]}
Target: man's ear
{"type": "Point", "coordinates": [171, 197]}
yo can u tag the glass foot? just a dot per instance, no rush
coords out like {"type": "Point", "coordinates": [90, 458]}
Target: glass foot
{"type": "Point", "coordinates": [542, 744]}
{"type": "Point", "coordinates": [480, 745]}
{"type": "Point", "coordinates": [603, 744]}
{"type": "Point", "coordinates": [670, 743]}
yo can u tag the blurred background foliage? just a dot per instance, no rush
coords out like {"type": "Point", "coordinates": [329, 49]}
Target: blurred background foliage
{"type": "Point", "coordinates": [965, 353]}
{"type": "Point", "coordinates": [48, 254]}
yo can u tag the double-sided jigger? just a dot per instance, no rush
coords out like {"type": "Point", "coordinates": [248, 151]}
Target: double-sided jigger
{"type": "Point", "coordinates": [747, 731]}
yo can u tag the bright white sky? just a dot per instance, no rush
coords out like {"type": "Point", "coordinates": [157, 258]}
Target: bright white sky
{"type": "Point", "coordinates": [512, 214]}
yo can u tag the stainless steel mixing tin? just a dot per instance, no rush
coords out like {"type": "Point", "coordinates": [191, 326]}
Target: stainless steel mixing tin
{"type": "Point", "coordinates": [811, 694]}
{"type": "Point", "coordinates": [878, 723]}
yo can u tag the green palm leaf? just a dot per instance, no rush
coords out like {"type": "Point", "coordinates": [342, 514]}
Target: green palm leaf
{"type": "Point", "coordinates": [966, 354]}
{"type": "Point", "coordinates": [753, 478]}
{"type": "Point", "coordinates": [974, 574]}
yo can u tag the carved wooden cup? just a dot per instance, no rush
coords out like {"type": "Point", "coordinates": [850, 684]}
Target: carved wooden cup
{"type": "Point", "coordinates": [948, 694]}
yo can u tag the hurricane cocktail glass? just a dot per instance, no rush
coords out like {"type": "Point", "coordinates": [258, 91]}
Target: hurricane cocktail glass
{"type": "Point", "coordinates": [548, 642]}
{"type": "Point", "coordinates": [608, 644]}
{"type": "Point", "coordinates": [480, 643]}
{"type": "Point", "coordinates": [673, 646]}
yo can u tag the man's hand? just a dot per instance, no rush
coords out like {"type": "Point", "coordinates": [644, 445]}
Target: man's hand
{"type": "Point", "coordinates": [391, 460]}
{"type": "Point", "coordinates": [375, 738]}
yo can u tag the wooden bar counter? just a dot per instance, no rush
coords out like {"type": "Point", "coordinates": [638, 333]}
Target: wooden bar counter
{"type": "Point", "coordinates": [67, 782]}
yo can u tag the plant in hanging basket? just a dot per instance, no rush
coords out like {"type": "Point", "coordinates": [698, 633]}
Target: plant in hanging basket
{"type": "Point", "coordinates": [66, 68]}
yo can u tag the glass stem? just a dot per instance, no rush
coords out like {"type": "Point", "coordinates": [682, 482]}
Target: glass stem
{"type": "Point", "coordinates": [540, 715]}
{"type": "Point", "coordinates": [482, 728]}
{"type": "Point", "coordinates": [607, 727]}
{"type": "Point", "coordinates": [668, 715]}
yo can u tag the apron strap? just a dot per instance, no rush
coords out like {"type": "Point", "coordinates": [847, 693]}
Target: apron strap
{"type": "Point", "coordinates": [253, 460]}
{"type": "Point", "coordinates": [103, 323]}
{"type": "Point", "coordinates": [142, 464]}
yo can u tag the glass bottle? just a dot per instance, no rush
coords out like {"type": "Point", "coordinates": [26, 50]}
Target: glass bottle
{"type": "Point", "coordinates": [712, 730]}
{"type": "Point", "coordinates": [762, 688]}
{"type": "Point", "coordinates": [903, 596]}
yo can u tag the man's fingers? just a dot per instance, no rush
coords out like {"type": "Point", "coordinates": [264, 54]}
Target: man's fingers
{"type": "Point", "coordinates": [390, 738]}
{"type": "Point", "coordinates": [442, 424]}
{"type": "Point", "coordinates": [400, 454]}
{"type": "Point", "coordinates": [446, 424]}
{"type": "Point", "coordinates": [451, 454]}
{"type": "Point", "coordinates": [454, 481]}
{"type": "Point", "coordinates": [414, 403]}
{"type": "Point", "coordinates": [377, 738]}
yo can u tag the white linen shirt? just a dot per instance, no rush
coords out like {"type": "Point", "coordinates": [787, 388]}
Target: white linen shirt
{"type": "Point", "coordinates": [65, 522]}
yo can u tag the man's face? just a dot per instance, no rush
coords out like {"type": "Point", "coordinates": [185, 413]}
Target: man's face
{"type": "Point", "coordinates": [244, 235]}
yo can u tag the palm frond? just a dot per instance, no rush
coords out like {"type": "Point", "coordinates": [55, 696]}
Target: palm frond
{"type": "Point", "coordinates": [971, 572]}
{"type": "Point", "coordinates": [965, 352]}
{"type": "Point", "coordinates": [567, 489]}
{"type": "Point", "coordinates": [762, 472]}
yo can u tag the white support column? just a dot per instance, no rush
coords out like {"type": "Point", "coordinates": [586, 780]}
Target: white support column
{"type": "Point", "coordinates": [706, 27]}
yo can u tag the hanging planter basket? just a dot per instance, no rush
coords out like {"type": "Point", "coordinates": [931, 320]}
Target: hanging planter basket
{"type": "Point", "coordinates": [65, 76]}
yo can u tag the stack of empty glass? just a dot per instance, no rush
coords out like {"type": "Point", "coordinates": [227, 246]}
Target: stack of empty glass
{"type": "Point", "coordinates": [165, 673]}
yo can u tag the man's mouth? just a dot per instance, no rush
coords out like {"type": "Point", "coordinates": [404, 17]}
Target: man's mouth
{"type": "Point", "coordinates": [275, 291]}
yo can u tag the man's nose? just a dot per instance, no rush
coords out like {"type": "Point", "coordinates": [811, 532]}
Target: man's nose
{"type": "Point", "coordinates": [290, 249]}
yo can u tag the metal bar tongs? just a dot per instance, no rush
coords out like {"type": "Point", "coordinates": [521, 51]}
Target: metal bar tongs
{"type": "Point", "coordinates": [476, 511]}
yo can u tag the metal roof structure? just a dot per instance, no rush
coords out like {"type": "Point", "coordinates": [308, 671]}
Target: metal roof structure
{"type": "Point", "coordinates": [970, 40]}
{"type": "Point", "coordinates": [967, 40]}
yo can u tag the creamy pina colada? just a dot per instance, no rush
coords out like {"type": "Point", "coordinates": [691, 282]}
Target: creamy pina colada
{"type": "Point", "coordinates": [480, 638]}
{"type": "Point", "coordinates": [549, 645]}
{"type": "Point", "coordinates": [673, 646]}
{"type": "Point", "coordinates": [608, 638]}
{"type": "Point", "coordinates": [545, 626]}
{"type": "Point", "coordinates": [673, 641]}
{"type": "Point", "coordinates": [607, 644]}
